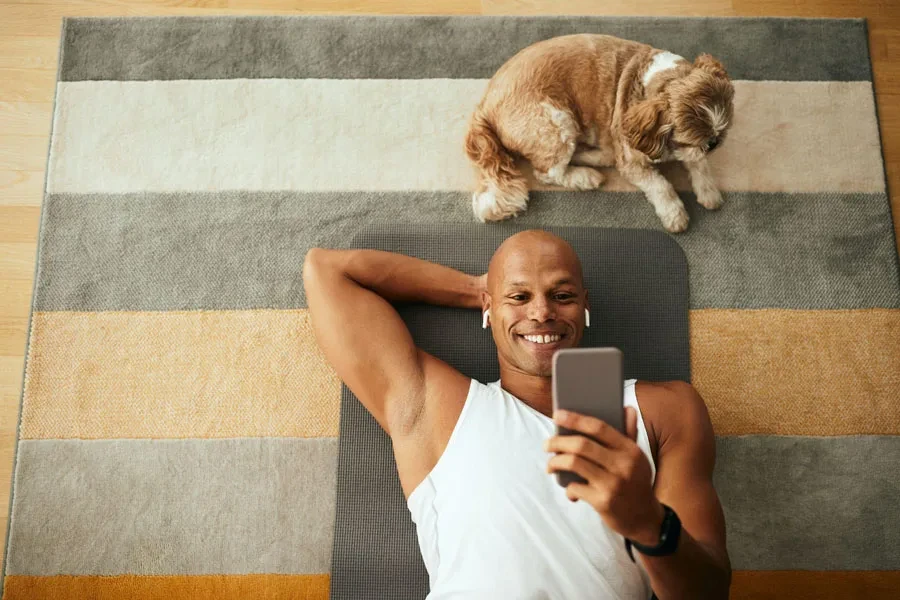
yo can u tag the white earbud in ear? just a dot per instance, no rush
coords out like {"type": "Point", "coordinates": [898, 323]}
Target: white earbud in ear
{"type": "Point", "coordinates": [484, 320]}
{"type": "Point", "coordinates": [587, 318]}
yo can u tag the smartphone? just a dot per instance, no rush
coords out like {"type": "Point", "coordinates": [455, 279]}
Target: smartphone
{"type": "Point", "coordinates": [589, 381]}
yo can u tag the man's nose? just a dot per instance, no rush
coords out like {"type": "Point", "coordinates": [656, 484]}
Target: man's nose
{"type": "Point", "coordinates": [541, 309]}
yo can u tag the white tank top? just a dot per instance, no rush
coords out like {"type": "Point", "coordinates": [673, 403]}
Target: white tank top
{"type": "Point", "coordinates": [493, 524]}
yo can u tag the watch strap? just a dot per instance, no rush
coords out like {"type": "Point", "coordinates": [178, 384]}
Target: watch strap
{"type": "Point", "coordinates": [669, 534]}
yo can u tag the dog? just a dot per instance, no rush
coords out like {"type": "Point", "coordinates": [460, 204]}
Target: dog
{"type": "Point", "coordinates": [574, 103]}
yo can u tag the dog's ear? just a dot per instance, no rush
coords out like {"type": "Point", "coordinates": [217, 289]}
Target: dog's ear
{"type": "Point", "coordinates": [711, 65]}
{"type": "Point", "coordinates": [645, 127]}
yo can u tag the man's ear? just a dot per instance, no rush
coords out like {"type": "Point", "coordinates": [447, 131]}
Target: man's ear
{"type": "Point", "coordinates": [646, 128]}
{"type": "Point", "coordinates": [711, 65]}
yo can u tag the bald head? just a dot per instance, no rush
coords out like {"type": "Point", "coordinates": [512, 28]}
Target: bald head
{"type": "Point", "coordinates": [530, 250]}
{"type": "Point", "coordinates": [535, 301]}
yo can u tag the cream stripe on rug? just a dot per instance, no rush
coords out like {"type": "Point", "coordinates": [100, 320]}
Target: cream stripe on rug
{"type": "Point", "coordinates": [371, 135]}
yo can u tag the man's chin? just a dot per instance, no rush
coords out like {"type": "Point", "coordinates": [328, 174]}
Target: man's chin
{"type": "Point", "coordinates": [538, 368]}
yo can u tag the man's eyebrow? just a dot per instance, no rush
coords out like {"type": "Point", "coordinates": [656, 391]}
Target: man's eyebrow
{"type": "Point", "coordinates": [561, 281]}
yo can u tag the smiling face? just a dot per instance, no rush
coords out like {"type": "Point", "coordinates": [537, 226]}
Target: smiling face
{"type": "Point", "coordinates": [536, 299]}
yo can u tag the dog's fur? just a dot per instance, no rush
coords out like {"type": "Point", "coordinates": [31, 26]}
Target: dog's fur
{"type": "Point", "coordinates": [577, 102]}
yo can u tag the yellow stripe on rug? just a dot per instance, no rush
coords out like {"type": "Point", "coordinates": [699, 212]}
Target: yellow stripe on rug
{"type": "Point", "coordinates": [259, 373]}
{"type": "Point", "coordinates": [145, 587]}
{"type": "Point", "coordinates": [256, 373]}
{"type": "Point", "coordinates": [798, 372]}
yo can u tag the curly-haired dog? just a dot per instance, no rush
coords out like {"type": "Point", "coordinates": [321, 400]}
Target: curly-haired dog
{"type": "Point", "coordinates": [577, 102]}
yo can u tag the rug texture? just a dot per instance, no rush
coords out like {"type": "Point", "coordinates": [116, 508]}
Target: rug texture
{"type": "Point", "coordinates": [178, 424]}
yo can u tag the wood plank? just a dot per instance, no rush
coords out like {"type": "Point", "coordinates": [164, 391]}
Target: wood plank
{"type": "Point", "coordinates": [19, 18]}
{"type": "Point", "coordinates": [10, 394]}
{"type": "Point", "coordinates": [15, 299]}
{"type": "Point", "coordinates": [25, 118]}
{"type": "Point", "coordinates": [884, 49]}
{"type": "Point", "coordinates": [27, 85]}
{"type": "Point", "coordinates": [873, 9]}
{"type": "Point", "coordinates": [12, 335]}
{"type": "Point", "coordinates": [409, 7]}
{"type": "Point", "coordinates": [19, 223]}
{"type": "Point", "coordinates": [17, 260]}
{"type": "Point", "coordinates": [610, 7]}
{"type": "Point", "coordinates": [23, 52]}
{"type": "Point", "coordinates": [22, 153]}
{"type": "Point", "coordinates": [23, 188]}
{"type": "Point", "coordinates": [344, 6]}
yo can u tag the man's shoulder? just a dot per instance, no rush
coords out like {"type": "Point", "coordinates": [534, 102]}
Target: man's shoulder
{"type": "Point", "coordinates": [667, 392]}
{"type": "Point", "coordinates": [670, 406]}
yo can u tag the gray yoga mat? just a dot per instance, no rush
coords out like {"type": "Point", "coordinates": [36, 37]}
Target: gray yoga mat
{"type": "Point", "coordinates": [637, 282]}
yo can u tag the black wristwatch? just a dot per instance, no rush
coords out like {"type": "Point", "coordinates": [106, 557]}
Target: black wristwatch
{"type": "Point", "coordinates": [669, 533]}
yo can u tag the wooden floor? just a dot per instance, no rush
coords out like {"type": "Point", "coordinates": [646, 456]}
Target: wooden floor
{"type": "Point", "coordinates": [29, 41]}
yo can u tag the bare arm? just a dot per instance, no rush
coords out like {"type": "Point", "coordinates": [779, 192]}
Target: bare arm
{"type": "Point", "coordinates": [700, 568]}
{"type": "Point", "coordinates": [363, 337]}
{"type": "Point", "coordinates": [618, 487]}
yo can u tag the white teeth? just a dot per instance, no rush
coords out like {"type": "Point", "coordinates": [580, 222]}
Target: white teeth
{"type": "Point", "coordinates": [543, 339]}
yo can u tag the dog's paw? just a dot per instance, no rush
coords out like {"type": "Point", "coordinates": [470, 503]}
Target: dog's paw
{"type": "Point", "coordinates": [710, 199]}
{"type": "Point", "coordinates": [675, 220]}
{"type": "Point", "coordinates": [493, 205]}
{"type": "Point", "coordinates": [584, 178]}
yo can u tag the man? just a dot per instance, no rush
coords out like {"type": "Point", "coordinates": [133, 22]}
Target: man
{"type": "Point", "coordinates": [475, 461]}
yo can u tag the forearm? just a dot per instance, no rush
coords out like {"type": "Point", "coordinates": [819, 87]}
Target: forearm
{"type": "Point", "coordinates": [691, 572]}
{"type": "Point", "coordinates": [400, 278]}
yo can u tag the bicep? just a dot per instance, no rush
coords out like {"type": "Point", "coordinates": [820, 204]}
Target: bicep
{"type": "Point", "coordinates": [364, 339]}
{"type": "Point", "coordinates": [685, 477]}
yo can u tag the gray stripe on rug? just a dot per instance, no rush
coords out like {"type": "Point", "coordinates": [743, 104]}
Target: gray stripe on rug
{"type": "Point", "coordinates": [143, 506]}
{"type": "Point", "coordinates": [438, 47]}
{"type": "Point", "coordinates": [243, 250]}
{"type": "Point", "coordinates": [826, 503]}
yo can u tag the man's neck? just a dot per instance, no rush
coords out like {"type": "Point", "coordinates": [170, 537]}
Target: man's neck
{"type": "Point", "coordinates": [533, 390]}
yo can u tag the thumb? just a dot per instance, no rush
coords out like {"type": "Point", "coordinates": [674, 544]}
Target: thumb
{"type": "Point", "coordinates": [631, 423]}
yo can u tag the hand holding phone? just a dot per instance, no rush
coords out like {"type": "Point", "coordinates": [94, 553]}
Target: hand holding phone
{"type": "Point", "coordinates": [589, 381]}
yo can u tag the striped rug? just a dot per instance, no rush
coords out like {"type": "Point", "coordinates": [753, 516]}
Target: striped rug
{"type": "Point", "coordinates": [178, 424]}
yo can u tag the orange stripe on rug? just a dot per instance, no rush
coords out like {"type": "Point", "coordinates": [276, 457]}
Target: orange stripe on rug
{"type": "Point", "coordinates": [254, 373]}
{"type": "Point", "coordinates": [814, 585]}
{"type": "Point", "coordinates": [798, 372]}
{"type": "Point", "coordinates": [145, 587]}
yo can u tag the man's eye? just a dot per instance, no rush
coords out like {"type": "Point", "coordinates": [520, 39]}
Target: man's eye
{"type": "Point", "coordinates": [564, 297]}
{"type": "Point", "coordinates": [518, 297]}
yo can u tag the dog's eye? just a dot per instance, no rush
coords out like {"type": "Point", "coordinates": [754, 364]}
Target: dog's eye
{"type": "Point", "coordinates": [711, 145]}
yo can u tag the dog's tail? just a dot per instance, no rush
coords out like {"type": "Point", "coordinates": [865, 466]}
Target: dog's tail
{"type": "Point", "coordinates": [502, 191]}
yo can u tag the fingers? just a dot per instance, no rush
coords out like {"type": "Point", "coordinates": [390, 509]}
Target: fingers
{"type": "Point", "coordinates": [593, 473]}
{"type": "Point", "coordinates": [595, 496]}
{"type": "Point", "coordinates": [581, 446]}
{"type": "Point", "coordinates": [595, 428]}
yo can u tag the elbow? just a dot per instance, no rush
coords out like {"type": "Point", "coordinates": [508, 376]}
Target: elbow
{"type": "Point", "coordinates": [315, 261]}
